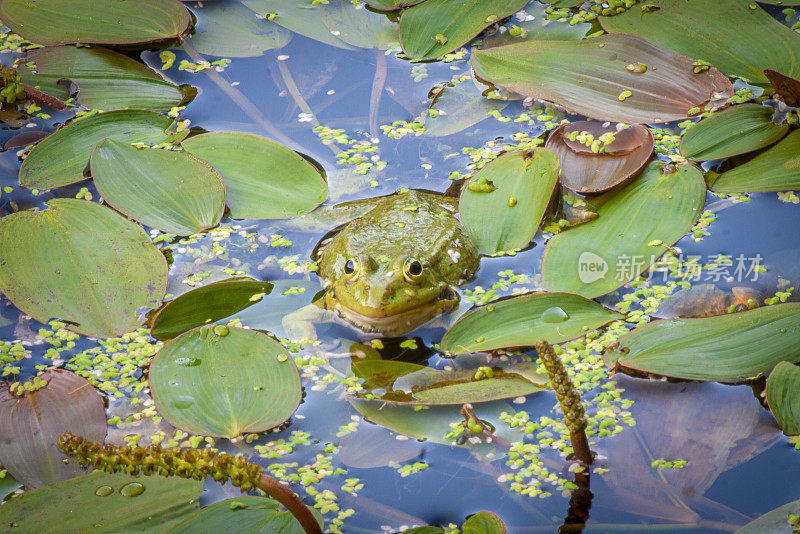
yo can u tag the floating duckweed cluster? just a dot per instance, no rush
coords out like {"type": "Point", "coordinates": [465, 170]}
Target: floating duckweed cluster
{"type": "Point", "coordinates": [358, 153]}
{"type": "Point", "coordinates": [668, 464]}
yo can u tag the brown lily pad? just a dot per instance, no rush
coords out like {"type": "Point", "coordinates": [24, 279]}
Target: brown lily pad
{"type": "Point", "coordinates": [592, 162]}
{"type": "Point", "coordinates": [787, 87]}
{"type": "Point", "coordinates": [31, 423]}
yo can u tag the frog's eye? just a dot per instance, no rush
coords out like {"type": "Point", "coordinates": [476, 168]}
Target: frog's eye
{"type": "Point", "coordinates": [412, 269]}
{"type": "Point", "coordinates": [351, 267]}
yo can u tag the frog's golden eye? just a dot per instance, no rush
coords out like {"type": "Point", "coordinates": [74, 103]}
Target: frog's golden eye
{"type": "Point", "coordinates": [351, 267]}
{"type": "Point", "coordinates": [412, 270]}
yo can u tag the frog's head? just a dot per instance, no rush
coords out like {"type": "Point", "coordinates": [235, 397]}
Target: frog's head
{"type": "Point", "coordinates": [388, 295]}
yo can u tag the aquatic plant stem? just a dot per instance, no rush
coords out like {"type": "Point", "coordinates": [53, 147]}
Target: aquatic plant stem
{"type": "Point", "coordinates": [470, 417]}
{"type": "Point", "coordinates": [377, 91]}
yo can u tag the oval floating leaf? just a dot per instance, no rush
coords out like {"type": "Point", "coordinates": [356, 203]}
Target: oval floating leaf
{"type": "Point", "coordinates": [632, 231]}
{"type": "Point", "coordinates": [457, 108]}
{"type": "Point", "coordinates": [503, 203]}
{"type": "Point", "coordinates": [221, 381]}
{"type": "Point", "coordinates": [775, 169]}
{"type": "Point", "coordinates": [117, 22]}
{"type": "Point", "coordinates": [523, 320]}
{"type": "Point", "coordinates": [783, 397]}
{"type": "Point", "coordinates": [229, 29]}
{"type": "Point", "coordinates": [31, 423]}
{"type": "Point", "coordinates": [601, 86]}
{"type": "Point", "coordinates": [391, 5]}
{"type": "Point", "coordinates": [82, 263]}
{"type": "Point", "coordinates": [174, 192]}
{"type": "Point", "coordinates": [245, 514]}
{"type": "Point", "coordinates": [207, 304]}
{"type": "Point", "coordinates": [299, 16]}
{"type": "Point", "coordinates": [726, 348]}
{"type": "Point", "coordinates": [60, 158]}
{"type": "Point", "coordinates": [736, 130]}
{"type": "Point", "coordinates": [775, 521]}
{"type": "Point", "coordinates": [263, 179]}
{"type": "Point", "coordinates": [419, 385]}
{"type": "Point", "coordinates": [585, 170]}
{"type": "Point", "coordinates": [95, 502]}
{"type": "Point", "coordinates": [105, 79]}
{"type": "Point", "coordinates": [435, 27]}
{"type": "Point", "coordinates": [483, 523]}
{"type": "Point", "coordinates": [786, 87]}
{"type": "Point", "coordinates": [769, 44]}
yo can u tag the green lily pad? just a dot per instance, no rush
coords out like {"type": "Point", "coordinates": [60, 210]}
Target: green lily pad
{"type": "Point", "coordinates": [60, 158]}
{"type": "Point", "coordinates": [300, 17]}
{"type": "Point", "coordinates": [601, 86]}
{"type": "Point", "coordinates": [172, 191]}
{"type": "Point", "coordinates": [523, 320]}
{"type": "Point", "coordinates": [105, 503]}
{"type": "Point", "coordinates": [775, 521]}
{"type": "Point", "coordinates": [775, 169]}
{"type": "Point", "coordinates": [633, 229]}
{"type": "Point", "coordinates": [457, 108]}
{"type": "Point", "coordinates": [436, 27]}
{"type": "Point", "coordinates": [483, 523]}
{"type": "Point", "coordinates": [736, 130]}
{"type": "Point", "coordinates": [31, 424]}
{"type": "Point", "coordinates": [207, 304]}
{"type": "Point", "coordinates": [769, 43]}
{"type": "Point", "coordinates": [504, 203]}
{"type": "Point", "coordinates": [229, 29]}
{"type": "Point", "coordinates": [536, 26]}
{"type": "Point", "coordinates": [82, 263]}
{"type": "Point", "coordinates": [223, 381]}
{"type": "Point", "coordinates": [8, 485]}
{"type": "Point", "coordinates": [263, 179]}
{"type": "Point", "coordinates": [246, 514]}
{"type": "Point", "coordinates": [391, 5]}
{"type": "Point", "coordinates": [105, 79]}
{"type": "Point", "coordinates": [726, 348]}
{"type": "Point", "coordinates": [419, 385]}
{"type": "Point", "coordinates": [783, 396]}
{"type": "Point", "coordinates": [117, 22]}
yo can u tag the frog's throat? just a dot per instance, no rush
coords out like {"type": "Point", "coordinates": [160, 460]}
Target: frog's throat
{"type": "Point", "coordinates": [398, 323]}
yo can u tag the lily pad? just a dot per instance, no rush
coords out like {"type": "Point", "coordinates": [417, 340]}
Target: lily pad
{"type": "Point", "coordinates": [229, 29]}
{"type": "Point", "coordinates": [174, 192]}
{"type": "Point", "coordinates": [770, 44]}
{"type": "Point", "coordinates": [31, 423]}
{"type": "Point", "coordinates": [223, 381]}
{"type": "Point", "coordinates": [727, 348]}
{"type": "Point", "coordinates": [633, 229]}
{"type": "Point", "coordinates": [599, 167]}
{"type": "Point", "coordinates": [106, 503]}
{"type": "Point", "coordinates": [436, 27]}
{"type": "Point", "coordinates": [788, 88]}
{"type": "Point", "coordinates": [8, 485]}
{"type": "Point", "coordinates": [523, 320]}
{"type": "Point", "coordinates": [391, 5]}
{"type": "Point", "coordinates": [245, 514]}
{"type": "Point", "coordinates": [60, 158]}
{"type": "Point", "coordinates": [298, 16]}
{"type": "Point", "coordinates": [419, 385]}
{"type": "Point", "coordinates": [105, 79]}
{"type": "Point", "coordinates": [775, 521]}
{"type": "Point", "coordinates": [504, 203]}
{"type": "Point", "coordinates": [483, 523]}
{"type": "Point", "coordinates": [263, 179]}
{"type": "Point", "coordinates": [775, 169]}
{"type": "Point", "coordinates": [457, 108]}
{"type": "Point", "coordinates": [82, 263]}
{"type": "Point", "coordinates": [117, 22]}
{"type": "Point", "coordinates": [736, 130]}
{"type": "Point", "coordinates": [207, 304]}
{"type": "Point", "coordinates": [608, 83]}
{"type": "Point", "coordinates": [783, 396]}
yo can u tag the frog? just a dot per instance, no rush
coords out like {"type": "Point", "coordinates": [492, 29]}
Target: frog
{"type": "Point", "coordinates": [395, 267]}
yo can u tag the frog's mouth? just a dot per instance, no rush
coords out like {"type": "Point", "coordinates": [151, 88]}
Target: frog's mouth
{"type": "Point", "coordinates": [398, 323]}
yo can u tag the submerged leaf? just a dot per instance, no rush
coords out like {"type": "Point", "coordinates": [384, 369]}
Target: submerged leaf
{"type": "Point", "coordinates": [300, 17]}
{"type": "Point", "coordinates": [736, 130]}
{"type": "Point", "coordinates": [775, 169]}
{"type": "Point", "coordinates": [727, 348]}
{"type": "Point", "coordinates": [82, 263]}
{"type": "Point", "coordinates": [263, 179]}
{"type": "Point", "coordinates": [523, 320]}
{"type": "Point", "coordinates": [507, 212]}
{"type": "Point", "coordinates": [224, 381]}
{"type": "Point", "coordinates": [599, 167]}
{"type": "Point", "coordinates": [31, 423]}
{"type": "Point", "coordinates": [457, 108]}
{"type": "Point", "coordinates": [172, 191]}
{"type": "Point", "coordinates": [229, 29]}
{"type": "Point", "coordinates": [632, 231]}
{"type": "Point", "coordinates": [775, 521]}
{"type": "Point", "coordinates": [600, 86]}
{"type": "Point", "coordinates": [117, 22]}
{"type": "Point", "coordinates": [357, 26]}
{"type": "Point", "coordinates": [783, 397]}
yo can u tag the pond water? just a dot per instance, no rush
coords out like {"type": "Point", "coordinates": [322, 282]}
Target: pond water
{"type": "Point", "coordinates": [739, 465]}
